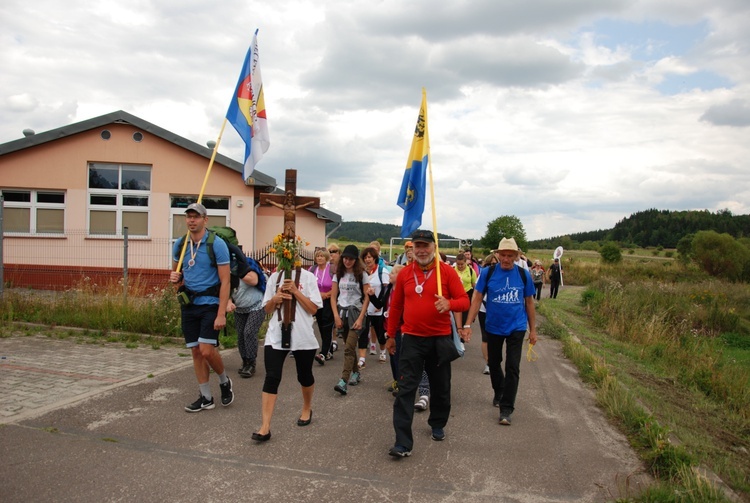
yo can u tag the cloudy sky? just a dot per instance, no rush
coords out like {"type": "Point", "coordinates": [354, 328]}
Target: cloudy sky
{"type": "Point", "coordinates": [568, 114]}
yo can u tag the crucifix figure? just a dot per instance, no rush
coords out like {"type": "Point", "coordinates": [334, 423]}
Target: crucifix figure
{"type": "Point", "coordinates": [289, 203]}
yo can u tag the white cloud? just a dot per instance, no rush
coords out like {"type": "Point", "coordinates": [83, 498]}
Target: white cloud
{"type": "Point", "coordinates": [531, 111]}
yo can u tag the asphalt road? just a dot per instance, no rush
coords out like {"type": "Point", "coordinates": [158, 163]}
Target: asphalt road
{"type": "Point", "coordinates": [92, 423]}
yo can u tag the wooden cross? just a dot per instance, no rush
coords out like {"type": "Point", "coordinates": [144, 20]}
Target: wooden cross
{"type": "Point", "coordinates": [290, 203]}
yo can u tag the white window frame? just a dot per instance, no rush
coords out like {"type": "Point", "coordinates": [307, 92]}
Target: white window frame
{"type": "Point", "coordinates": [119, 208]}
{"type": "Point", "coordinates": [33, 205]}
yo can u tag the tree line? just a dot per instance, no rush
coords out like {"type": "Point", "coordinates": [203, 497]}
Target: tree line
{"type": "Point", "coordinates": [364, 232]}
{"type": "Point", "coordinates": [654, 228]}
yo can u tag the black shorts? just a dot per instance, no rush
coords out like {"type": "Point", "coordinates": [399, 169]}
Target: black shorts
{"type": "Point", "coordinates": [198, 324]}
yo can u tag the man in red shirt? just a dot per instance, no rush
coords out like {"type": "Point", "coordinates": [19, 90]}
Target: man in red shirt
{"type": "Point", "coordinates": [425, 321]}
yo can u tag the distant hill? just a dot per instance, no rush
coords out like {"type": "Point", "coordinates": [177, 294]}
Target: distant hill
{"type": "Point", "coordinates": [659, 228]}
{"type": "Point", "coordinates": [364, 232]}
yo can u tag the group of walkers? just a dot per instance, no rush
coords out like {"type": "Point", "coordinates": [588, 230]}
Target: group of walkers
{"type": "Point", "coordinates": [411, 314]}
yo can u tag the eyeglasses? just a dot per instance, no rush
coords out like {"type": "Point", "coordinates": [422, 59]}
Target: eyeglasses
{"type": "Point", "coordinates": [333, 251]}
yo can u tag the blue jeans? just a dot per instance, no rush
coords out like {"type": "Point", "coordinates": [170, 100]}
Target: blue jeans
{"type": "Point", "coordinates": [420, 354]}
{"type": "Point", "coordinates": [505, 384]}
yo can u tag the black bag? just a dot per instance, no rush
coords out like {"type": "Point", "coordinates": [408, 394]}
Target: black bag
{"type": "Point", "coordinates": [446, 349]}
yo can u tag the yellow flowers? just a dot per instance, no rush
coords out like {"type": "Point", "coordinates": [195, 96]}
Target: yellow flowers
{"type": "Point", "coordinates": [287, 251]}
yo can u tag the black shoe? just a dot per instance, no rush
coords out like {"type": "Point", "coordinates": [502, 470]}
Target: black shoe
{"type": "Point", "coordinates": [399, 451]}
{"type": "Point", "coordinates": [505, 419]}
{"type": "Point", "coordinates": [495, 402]}
{"type": "Point", "coordinates": [305, 422]}
{"type": "Point", "coordinates": [202, 403]}
{"type": "Point", "coordinates": [247, 371]}
{"type": "Point", "coordinates": [438, 434]}
{"type": "Point", "coordinates": [320, 359]}
{"type": "Point", "coordinates": [227, 395]}
{"type": "Point", "coordinates": [261, 438]}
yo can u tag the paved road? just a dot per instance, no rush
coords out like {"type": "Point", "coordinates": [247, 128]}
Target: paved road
{"type": "Point", "coordinates": [92, 423]}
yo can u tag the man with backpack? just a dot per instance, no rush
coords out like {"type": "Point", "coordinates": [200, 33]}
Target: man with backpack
{"type": "Point", "coordinates": [203, 295]}
{"type": "Point", "coordinates": [510, 310]}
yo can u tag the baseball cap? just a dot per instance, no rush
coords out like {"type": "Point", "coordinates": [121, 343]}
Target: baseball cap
{"type": "Point", "coordinates": [198, 208]}
{"type": "Point", "coordinates": [424, 236]}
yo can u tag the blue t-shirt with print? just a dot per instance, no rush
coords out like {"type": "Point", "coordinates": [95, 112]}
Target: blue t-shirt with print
{"type": "Point", "coordinates": [506, 293]}
{"type": "Point", "coordinates": [202, 275]}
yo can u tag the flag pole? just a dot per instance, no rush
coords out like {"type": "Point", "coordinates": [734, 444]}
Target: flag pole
{"type": "Point", "coordinates": [432, 200]}
{"type": "Point", "coordinates": [203, 188]}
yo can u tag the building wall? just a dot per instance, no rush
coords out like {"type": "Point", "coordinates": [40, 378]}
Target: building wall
{"type": "Point", "coordinates": [63, 165]}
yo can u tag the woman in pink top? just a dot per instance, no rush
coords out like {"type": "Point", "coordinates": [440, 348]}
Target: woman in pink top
{"type": "Point", "coordinates": [323, 274]}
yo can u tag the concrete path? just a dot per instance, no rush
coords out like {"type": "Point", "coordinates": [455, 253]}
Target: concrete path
{"type": "Point", "coordinates": [93, 423]}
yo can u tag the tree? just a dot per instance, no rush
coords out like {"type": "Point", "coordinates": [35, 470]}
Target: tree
{"type": "Point", "coordinates": [507, 226]}
{"type": "Point", "coordinates": [720, 255]}
{"type": "Point", "coordinates": [610, 253]}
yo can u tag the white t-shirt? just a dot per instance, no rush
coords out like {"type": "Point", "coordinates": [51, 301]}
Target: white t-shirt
{"type": "Point", "coordinates": [377, 286]}
{"type": "Point", "coordinates": [350, 293]}
{"type": "Point", "coordinates": [303, 336]}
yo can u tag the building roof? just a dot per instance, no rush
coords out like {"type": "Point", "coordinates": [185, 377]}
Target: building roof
{"type": "Point", "coordinates": [121, 117]}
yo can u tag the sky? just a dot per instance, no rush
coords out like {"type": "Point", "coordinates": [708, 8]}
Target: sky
{"type": "Point", "coordinates": [569, 115]}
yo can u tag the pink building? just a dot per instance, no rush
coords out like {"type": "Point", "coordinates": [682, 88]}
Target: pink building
{"type": "Point", "coordinates": [69, 193]}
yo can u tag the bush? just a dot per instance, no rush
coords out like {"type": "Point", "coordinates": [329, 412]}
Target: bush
{"type": "Point", "coordinates": [610, 253]}
{"type": "Point", "coordinates": [721, 255]}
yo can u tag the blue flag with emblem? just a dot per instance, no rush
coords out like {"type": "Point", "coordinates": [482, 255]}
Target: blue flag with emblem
{"type": "Point", "coordinates": [413, 188]}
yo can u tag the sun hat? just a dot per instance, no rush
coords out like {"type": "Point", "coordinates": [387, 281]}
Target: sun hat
{"type": "Point", "coordinates": [507, 244]}
{"type": "Point", "coordinates": [350, 251]}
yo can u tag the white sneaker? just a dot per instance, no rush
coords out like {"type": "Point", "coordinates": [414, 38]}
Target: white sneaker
{"type": "Point", "coordinates": [361, 363]}
{"type": "Point", "coordinates": [422, 403]}
{"type": "Point", "coordinates": [486, 370]}
{"type": "Point", "coordinates": [373, 349]}
{"type": "Point", "coordinates": [383, 356]}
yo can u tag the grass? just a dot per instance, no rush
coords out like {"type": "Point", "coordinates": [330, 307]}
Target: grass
{"type": "Point", "coordinates": [667, 371]}
{"type": "Point", "coordinates": [101, 314]}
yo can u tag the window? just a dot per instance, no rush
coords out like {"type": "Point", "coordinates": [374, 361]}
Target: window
{"type": "Point", "coordinates": [119, 196]}
{"type": "Point", "coordinates": [34, 211]}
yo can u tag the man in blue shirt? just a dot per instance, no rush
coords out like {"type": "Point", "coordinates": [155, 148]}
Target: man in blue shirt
{"type": "Point", "coordinates": [205, 287]}
{"type": "Point", "coordinates": [510, 310]}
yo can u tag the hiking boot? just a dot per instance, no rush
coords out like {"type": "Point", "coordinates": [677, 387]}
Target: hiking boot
{"type": "Point", "coordinates": [354, 379]}
{"type": "Point", "coordinates": [399, 451]}
{"type": "Point", "coordinates": [202, 403]}
{"type": "Point", "coordinates": [227, 395]}
{"type": "Point", "coordinates": [341, 387]}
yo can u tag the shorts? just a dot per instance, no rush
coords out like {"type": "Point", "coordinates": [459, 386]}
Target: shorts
{"type": "Point", "coordinates": [198, 324]}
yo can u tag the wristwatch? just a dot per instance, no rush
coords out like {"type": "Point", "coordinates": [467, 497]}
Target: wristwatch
{"type": "Point", "coordinates": [467, 326]}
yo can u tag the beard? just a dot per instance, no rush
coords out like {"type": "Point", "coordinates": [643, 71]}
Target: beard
{"type": "Point", "coordinates": [427, 261]}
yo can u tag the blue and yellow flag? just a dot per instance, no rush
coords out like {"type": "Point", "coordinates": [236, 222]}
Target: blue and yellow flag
{"type": "Point", "coordinates": [413, 189]}
{"type": "Point", "coordinates": [247, 110]}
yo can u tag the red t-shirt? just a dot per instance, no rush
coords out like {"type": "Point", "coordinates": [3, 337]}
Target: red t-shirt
{"type": "Point", "coordinates": [420, 317]}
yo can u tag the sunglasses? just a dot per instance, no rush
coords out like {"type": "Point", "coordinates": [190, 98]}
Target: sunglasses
{"type": "Point", "coordinates": [333, 251]}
